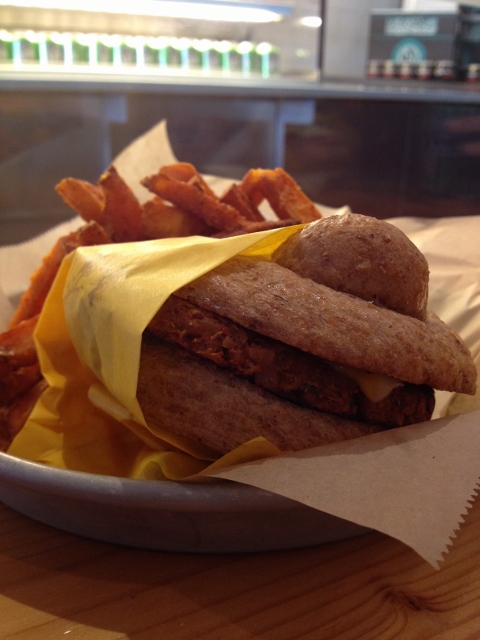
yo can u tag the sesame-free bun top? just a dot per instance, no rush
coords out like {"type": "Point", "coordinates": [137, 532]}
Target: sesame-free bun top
{"type": "Point", "coordinates": [287, 299]}
{"type": "Point", "coordinates": [362, 256]}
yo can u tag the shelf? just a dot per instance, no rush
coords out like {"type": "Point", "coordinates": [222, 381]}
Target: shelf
{"type": "Point", "coordinates": [105, 81]}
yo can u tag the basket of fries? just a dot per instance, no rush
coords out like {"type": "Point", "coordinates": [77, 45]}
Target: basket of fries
{"type": "Point", "coordinates": [59, 411]}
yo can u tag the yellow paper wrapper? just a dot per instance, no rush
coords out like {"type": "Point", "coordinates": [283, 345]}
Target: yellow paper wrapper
{"type": "Point", "coordinates": [88, 340]}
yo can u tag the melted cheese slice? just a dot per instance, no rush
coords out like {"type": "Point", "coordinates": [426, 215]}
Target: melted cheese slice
{"type": "Point", "coordinates": [375, 386]}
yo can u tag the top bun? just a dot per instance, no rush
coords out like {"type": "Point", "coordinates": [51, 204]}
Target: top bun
{"type": "Point", "coordinates": [362, 256]}
{"type": "Point", "coordinates": [352, 300]}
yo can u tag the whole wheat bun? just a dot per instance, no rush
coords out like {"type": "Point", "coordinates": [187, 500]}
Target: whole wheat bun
{"type": "Point", "coordinates": [195, 398]}
{"type": "Point", "coordinates": [363, 256]}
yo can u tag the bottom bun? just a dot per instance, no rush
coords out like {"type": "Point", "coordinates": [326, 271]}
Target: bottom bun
{"type": "Point", "coordinates": [196, 399]}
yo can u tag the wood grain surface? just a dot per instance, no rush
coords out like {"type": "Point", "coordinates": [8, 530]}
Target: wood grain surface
{"type": "Point", "coordinates": [57, 585]}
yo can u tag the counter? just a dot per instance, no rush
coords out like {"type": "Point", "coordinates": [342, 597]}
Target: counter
{"type": "Point", "coordinates": [279, 88]}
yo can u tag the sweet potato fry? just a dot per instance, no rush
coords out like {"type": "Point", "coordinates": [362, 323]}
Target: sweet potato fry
{"type": "Point", "coordinates": [264, 225]}
{"type": "Point", "coordinates": [282, 192]}
{"type": "Point", "coordinates": [32, 301]}
{"type": "Point", "coordinates": [163, 220]}
{"type": "Point", "coordinates": [17, 347]}
{"type": "Point", "coordinates": [252, 185]}
{"type": "Point", "coordinates": [189, 198]}
{"type": "Point", "coordinates": [236, 197]}
{"type": "Point", "coordinates": [13, 417]}
{"type": "Point", "coordinates": [122, 215]}
{"type": "Point", "coordinates": [18, 381]}
{"type": "Point", "coordinates": [186, 172]}
{"type": "Point", "coordinates": [87, 199]}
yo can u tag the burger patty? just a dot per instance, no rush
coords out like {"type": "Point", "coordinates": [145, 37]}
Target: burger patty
{"type": "Point", "coordinates": [283, 370]}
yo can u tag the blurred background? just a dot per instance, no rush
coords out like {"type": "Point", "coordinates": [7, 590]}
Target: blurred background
{"type": "Point", "coordinates": [375, 105]}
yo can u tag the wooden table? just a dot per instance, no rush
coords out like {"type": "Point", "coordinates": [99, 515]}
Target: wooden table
{"type": "Point", "coordinates": [57, 585]}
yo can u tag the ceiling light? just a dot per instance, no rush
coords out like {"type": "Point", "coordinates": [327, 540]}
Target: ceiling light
{"type": "Point", "coordinates": [311, 21]}
{"type": "Point", "coordinates": [225, 12]}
